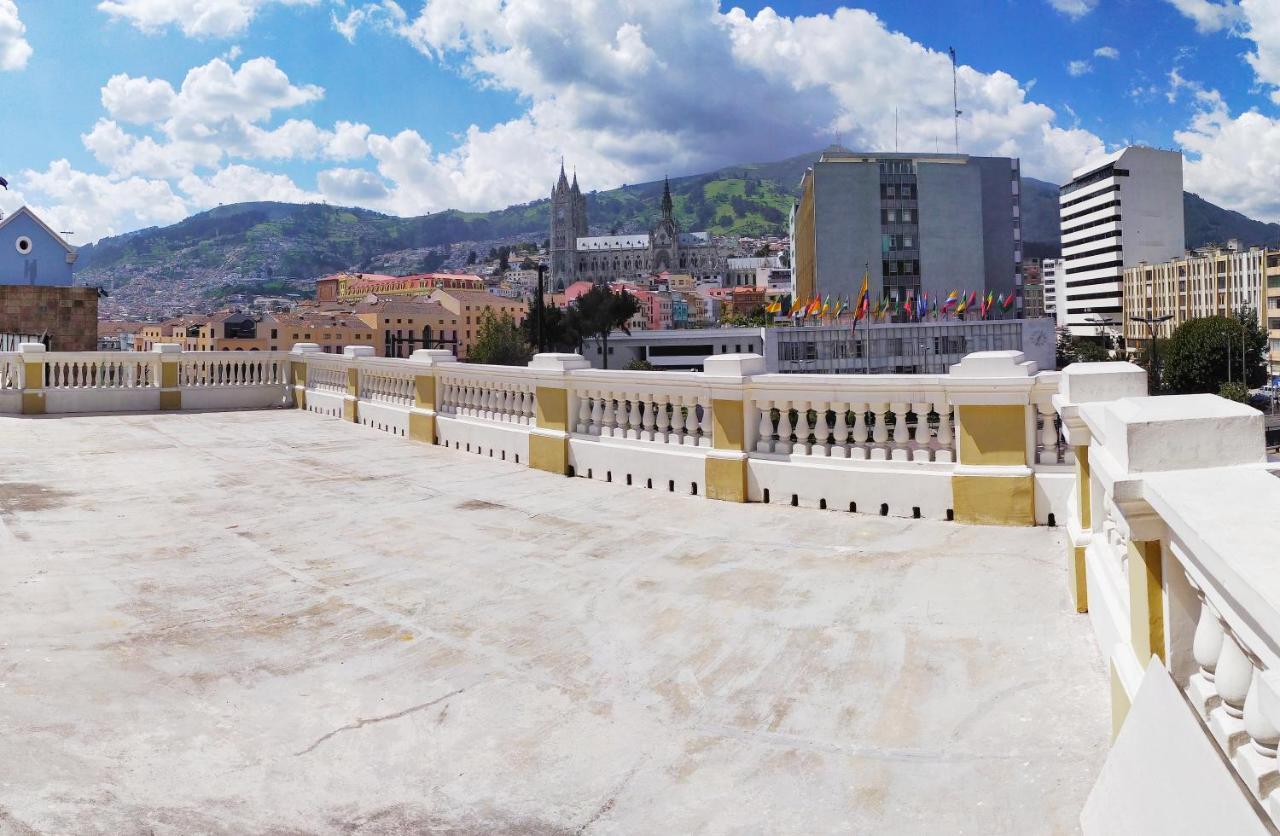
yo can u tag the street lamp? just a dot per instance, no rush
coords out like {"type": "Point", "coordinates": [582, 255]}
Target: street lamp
{"type": "Point", "coordinates": [1152, 322]}
{"type": "Point", "coordinates": [542, 269]}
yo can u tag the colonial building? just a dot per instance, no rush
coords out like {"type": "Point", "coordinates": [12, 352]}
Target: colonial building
{"type": "Point", "coordinates": [576, 256]}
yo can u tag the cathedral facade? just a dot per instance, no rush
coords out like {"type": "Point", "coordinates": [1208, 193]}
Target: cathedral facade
{"type": "Point", "coordinates": [577, 256]}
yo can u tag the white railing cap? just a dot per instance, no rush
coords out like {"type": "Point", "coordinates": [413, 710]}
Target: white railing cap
{"type": "Point", "coordinates": [305, 348]}
{"type": "Point", "coordinates": [1106, 381]}
{"type": "Point", "coordinates": [558, 362]}
{"type": "Point", "coordinates": [733, 365]}
{"type": "Point", "coordinates": [994, 364]}
{"type": "Point", "coordinates": [166, 348]}
{"type": "Point", "coordinates": [433, 356]}
{"type": "Point", "coordinates": [358, 351]}
{"type": "Point", "coordinates": [31, 348]}
{"type": "Point", "coordinates": [1179, 432]}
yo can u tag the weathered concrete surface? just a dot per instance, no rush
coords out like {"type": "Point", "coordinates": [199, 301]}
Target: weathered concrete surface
{"type": "Point", "coordinates": [273, 622]}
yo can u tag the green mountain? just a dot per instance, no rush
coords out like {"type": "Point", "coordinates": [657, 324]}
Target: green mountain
{"type": "Point", "coordinates": [280, 240]}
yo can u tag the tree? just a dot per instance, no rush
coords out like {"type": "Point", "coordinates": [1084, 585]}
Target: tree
{"type": "Point", "coordinates": [640, 366]}
{"type": "Point", "coordinates": [499, 341]}
{"type": "Point", "coordinates": [1204, 353]}
{"type": "Point", "coordinates": [601, 310]}
{"type": "Point", "coordinates": [504, 259]}
{"type": "Point", "coordinates": [1234, 391]}
{"type": "Point", "coordinates": [472, 257]}
{"type": "Point", "coordinates": [762, 251]}
{"type": "Point", "coordinates": [559, 328]}
{"type": "Point", "coordinates": [1077, 350]}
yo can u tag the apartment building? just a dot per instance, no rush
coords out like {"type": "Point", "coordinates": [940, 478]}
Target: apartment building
{"type": "Point", "coordinates": [354, 287]}
{"type": "Point", "coordinates": [1205, 282]}
{"type": "Point", "coordinates": [403, 325]}
{"type": "Point", "coordinates": [467, 306]}
{"type": "Point", "coordinates": [1117, 212]}
{"type": "Point", "coordinates": [913, 222]}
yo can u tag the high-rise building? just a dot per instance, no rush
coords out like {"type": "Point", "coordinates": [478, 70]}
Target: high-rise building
{"type": "Point", "coordinates": [1116, 212]}
{"type": "Point", "coordinates": [1049, 278]}
{"type": "Point", "coordinates": [913, 222]}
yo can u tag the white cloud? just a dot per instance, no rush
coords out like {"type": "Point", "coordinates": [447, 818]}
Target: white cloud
{"type": "Point", "coordinates": [1075, 69]}
{"type": "Point", "coordinates": [92, 205]}
{"type": "Point", "coordinates": [1074, 9]}
{"type": "Point", "coordinates": [348, 186]}
{"type": "Point", "coordinates": [196, 18]}
{"type": "Point", "coordinates": [138, 100]}
{"type": "Point", "coordinates": [14, 49]}
{"type": "Point", "coordinates": [1231, 159]}
{"type": "Point", "coordinates": [1107, 52]}
{"type": "Point", "coordinates": [1208, 15]}
{"type": "Point", "coordinates": [239, 183]}
{"type": "Point", "coordinates": [386, 15]}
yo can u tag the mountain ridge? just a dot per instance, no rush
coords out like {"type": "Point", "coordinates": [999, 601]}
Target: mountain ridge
{"type": "Point", "coordinates": [264, 239]}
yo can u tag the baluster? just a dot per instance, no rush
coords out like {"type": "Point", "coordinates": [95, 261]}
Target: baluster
{"type": "Point", "coordinates": [944, 451]}
{"type": "Point", "coordinates": [664, 418]}
{"type": "Point", "coordinates": [1262, 732]}
{"type": "Point", "coordinates": [764, 442]}
{"type": "Point", "coordinates": [530, 407]}
{"type": "Point", "coordinates": [840, 433]}
{"type": "Point", "coordinates": [704, 439]}
{"type": "Point", "coordinates": [880, 433]}
{"type": "Point", "coordinates": [606, 416]}
{"type": "Point", "coordinates": [921, 451]}
{"type": "Point", "coordinates": [634, 427]}
{"type": "Point", "coordinates": [783, 444]}
{"type": "Point", "coordinates": [1233, 676]}
{"type": "Point", "coordinates": [690, 421]}
{"type": "Point", "coordinates": [859, 448]}
{"type": "Point", "coordinates": [647, 417]}
{"type": "Point", "coordinates": [584, 413]}
{"type": "Point", "coordinates": [597, 415]}
{"type": "Point", "coordinates": [901, 440]}
{"type": "Point", "coordinates": [1048, 452]}
{"type": "Point", "coordinates": [802, 429]}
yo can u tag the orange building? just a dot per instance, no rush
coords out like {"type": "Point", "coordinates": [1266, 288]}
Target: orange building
{"type": "Point", "coordinates": [468, 305]}
{"type": "Point", "coordinates": [418, 323]}
{"type": "Point", "coordinates": [352, 287]}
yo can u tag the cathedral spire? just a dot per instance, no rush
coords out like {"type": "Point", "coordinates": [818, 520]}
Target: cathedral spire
{"type": "Point", "coordinates": [575, 178]}
{"type": "Point", "coordinates": [563, 182]}
{"type": "Point", "coordinates": [666, 198]}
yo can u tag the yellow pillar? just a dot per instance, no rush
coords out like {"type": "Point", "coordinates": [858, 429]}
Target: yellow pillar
{"type": "Point", "coordinates": [549, 436]}
{"type": "Point", "coordinates": [298, 371]}
{"type": "Point", "coordinates": [1076, 577]}
{"type": "Point", "coordinates": [422, 418]}
{"type": "Point", "coordinates": [726, 463]}
{"type": "Point", "coordinates": [350, 411]}
{"type": "Point", "coordinates": [1146, 600]}
{"type": "Point", "coordinates": [32, 359]}
{"type": "Point", "coordinates": [993, 484]}
{"type": "Point", "coordinates": [169, 356]}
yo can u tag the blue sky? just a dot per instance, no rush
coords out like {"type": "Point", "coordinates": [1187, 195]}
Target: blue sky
{"type": "Point", "coordinates": [126, 113]}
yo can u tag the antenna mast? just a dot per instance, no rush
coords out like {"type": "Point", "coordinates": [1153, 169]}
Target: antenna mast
{"type": "Point", "coordinates": [955, 98]}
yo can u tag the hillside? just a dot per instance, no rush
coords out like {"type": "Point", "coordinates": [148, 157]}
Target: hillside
{"type": "Point", "coordinates": [257, 241]}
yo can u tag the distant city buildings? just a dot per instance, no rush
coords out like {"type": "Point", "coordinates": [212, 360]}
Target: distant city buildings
{"type": "Point", "coordinates": [578, 256]}
{"type": "Point", "coordinates": [352, 287]}
{"type": "Point", "coordinates": [1049, 270]}
{"type": "Point", "coordinates": [914, 222]}
{"type": "Point", "coordinates": [1116, 212]}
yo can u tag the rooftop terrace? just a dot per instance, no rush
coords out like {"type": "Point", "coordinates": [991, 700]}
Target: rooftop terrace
{"type": "Point", "coordinates": [388, 611]}
{"type": "Point", "coordinates": [256, 621]}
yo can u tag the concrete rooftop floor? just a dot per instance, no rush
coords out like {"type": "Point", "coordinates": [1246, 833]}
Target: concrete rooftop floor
{"type": "Point", "coordinates": [273, 622]}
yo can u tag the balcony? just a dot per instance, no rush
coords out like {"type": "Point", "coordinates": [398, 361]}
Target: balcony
{"type": "Point", "coordinates": [388, 607]}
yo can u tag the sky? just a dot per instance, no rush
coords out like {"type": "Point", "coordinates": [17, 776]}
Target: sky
{"type": "Point", "coordinates": [122, 114]}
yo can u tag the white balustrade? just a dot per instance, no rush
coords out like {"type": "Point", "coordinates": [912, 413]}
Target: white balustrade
{"type": "Point", "coordinates": [1049, 443]}
{"type": "Point", "coordinates": [101, 370]}
{"type": "Point", "coordinates": [632, 411]}
{"type": "Point", "coordinates": [11, 367]}
{"type": "Point", "coordinates": [327, 376]}
{"type": "Point", "coordinates": [382, 384]}
{"type": "Point", "coordinates": [485, 393]}
{"type": "Point", "coordinates": [218, 369]}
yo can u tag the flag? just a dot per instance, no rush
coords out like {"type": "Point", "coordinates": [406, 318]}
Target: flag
{"type": "Point", "coordinates": [953, 299]}
{"type": "Point", "coordinates": [826, 306]}
{"type": "Point", "coordinates": [935, 307]}
{"type": "Point", "coordinates": [839, 306]}
{"type": "Point", "coordinates": [863, 293]}
{"type": "Point", "coordinates": [4, 184]}
{"type": "Point", "coordinates": [1008, 302]}
{"type": "Point", "coordinates": [906, 308]}
{"type": "Point", "coordinates": [797, 305]}
{"type": "Point", "coordinates": [962, 306]}
{"type": "Point", "coordinates": [815, 305]}
{"type": "Point", "coordinates": [973, 298]}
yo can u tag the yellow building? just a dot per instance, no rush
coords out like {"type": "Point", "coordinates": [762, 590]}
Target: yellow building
{"type": "Point", "coordinates": [1208, 282]}
{"type": "Point", "coordinates": [429, 323]}
{"type": "Point", "coordinates": [468, 305]}
{"type": "Point", "coordinates": [353, 287]}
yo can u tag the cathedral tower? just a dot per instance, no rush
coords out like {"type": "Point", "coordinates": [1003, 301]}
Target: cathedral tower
{"type": "Point", "coordinates": [568, 224]}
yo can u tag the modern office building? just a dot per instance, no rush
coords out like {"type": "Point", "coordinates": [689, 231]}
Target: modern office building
{"type": "Point", "coordinates": [1117, 211]}
{"type": "Point", "coordinates": [876, 348]}
{"type": "Point", "coordinates": [914, 222]}
{"type": "Point", "coordinates": [1204, 282]}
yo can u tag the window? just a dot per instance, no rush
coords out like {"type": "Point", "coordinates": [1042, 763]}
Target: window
{"type": "Point", "coordinates": [273, 336]}
{"type": "Point", "coordinates": [893, 216]}
{"type": "Point", "coordinates": [906, 216]}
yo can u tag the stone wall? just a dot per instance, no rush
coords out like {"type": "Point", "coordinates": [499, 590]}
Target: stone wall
{"type": "Point", "coordinates": [69, 315]}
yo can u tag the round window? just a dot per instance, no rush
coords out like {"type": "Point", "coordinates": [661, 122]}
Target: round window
{"type": "Point", "coordinates": [23, 244]}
